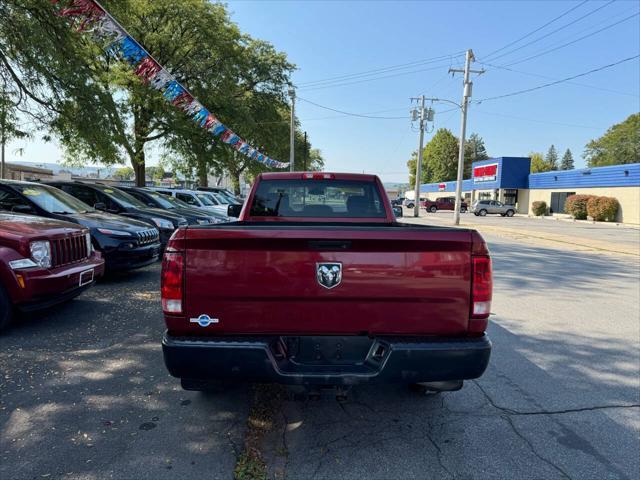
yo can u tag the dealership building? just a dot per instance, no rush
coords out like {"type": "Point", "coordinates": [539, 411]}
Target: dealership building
{"type": "Point", "coordinates": [507, 179]}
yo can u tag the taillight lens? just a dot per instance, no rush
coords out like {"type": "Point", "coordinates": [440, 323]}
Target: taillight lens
{"type": "Point", "coordinates": [172, 282]}
{"type": "Point", "coordinates": [481, 287]}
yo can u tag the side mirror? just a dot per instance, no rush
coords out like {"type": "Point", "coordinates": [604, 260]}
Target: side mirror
{"type": "Point", "coordinates": [397, 211]}
{"type": "Point", "coordinates": [234, 210]}
{"type": "Point", "coordinates": [100, 206]}
{"type": "Point", "coordinates": [22, 209]}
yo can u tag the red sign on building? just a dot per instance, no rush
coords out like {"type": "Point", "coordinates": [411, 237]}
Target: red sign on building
{"type": "Point", "coordinates": [442, 187]}
{"type": "Point", "coordinates": [485, 173]}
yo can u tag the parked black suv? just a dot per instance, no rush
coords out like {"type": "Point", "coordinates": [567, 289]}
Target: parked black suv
{"type": "Point", "coordinates": [194, 216]}
{"type": "Point", "coordinates": [125, 243]}
{"type": "Point", "coordinates": [112, 200]}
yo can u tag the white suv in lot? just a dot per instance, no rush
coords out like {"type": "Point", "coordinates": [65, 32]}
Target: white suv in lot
{"type": "Point", "coordinates": [203, 200]}
{"type": "Point", "coordinates": [482, 207]}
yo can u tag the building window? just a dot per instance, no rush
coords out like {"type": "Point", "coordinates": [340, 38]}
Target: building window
{"type": "Point", "coordinates": [557, 201]}
{"type": "Point", "coordinates": [510, 196]}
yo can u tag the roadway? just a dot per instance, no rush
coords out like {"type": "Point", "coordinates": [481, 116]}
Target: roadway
{"type": "Point", "coordinates": [84, 393]}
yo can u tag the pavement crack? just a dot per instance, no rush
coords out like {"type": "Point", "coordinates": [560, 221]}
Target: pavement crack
{"type": "Point", "coordinates": [510, 411]}
{"type": "Point", "coordinates": [533, 450]}
{"type": "Point", "coordinates": [438, 450]}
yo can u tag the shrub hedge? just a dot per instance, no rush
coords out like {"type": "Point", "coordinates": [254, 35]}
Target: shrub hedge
{"type": "Point", "coordinates": [539, 208]}
{"type": "Point", "coordinates": [576, 206]}
{"type": "Point", "coordinates": [603, 209]}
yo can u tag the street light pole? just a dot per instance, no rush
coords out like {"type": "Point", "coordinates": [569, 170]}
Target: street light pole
{"type": "Point", "coordinates": [292, 94]}
{"type": "Point", "coordinates": [466, 94]}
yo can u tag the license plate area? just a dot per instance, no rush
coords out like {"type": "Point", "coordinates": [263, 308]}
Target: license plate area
{"type": "Point", "coordinates": [327, 350]}
{"type": "Point", "coordinates": [86, 277]}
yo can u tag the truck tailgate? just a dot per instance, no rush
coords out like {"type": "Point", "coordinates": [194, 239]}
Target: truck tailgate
{"type": "Point", "coordinates": [404, 280]}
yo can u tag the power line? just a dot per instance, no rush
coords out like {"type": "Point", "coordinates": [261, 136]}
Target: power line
{"type": "Point", "coordinates": [370, 79]}
{"type": "Point", "coordinates": [519, 92]}
{"type": "Point", "coordinates": [537, 29]}
{"type": "Point", "coordinates": [351, 114]}
{"type": "Point", "coordinates": [380, 70]}
{"type": "Point", "coordinates": [573, 41]}
{"type": "Point", "coordinates": [553, 31]}
{"type": "Point", "coordinates": [552, 78]}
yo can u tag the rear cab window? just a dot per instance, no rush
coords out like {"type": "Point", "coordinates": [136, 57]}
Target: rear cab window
{"type": "Point", "coordinates": [317, 198]}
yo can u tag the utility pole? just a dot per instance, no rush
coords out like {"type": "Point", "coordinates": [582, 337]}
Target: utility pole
{"type": "Point", "coordinates": [292, 94]}
{"type": "Point", "coordinates": [466, 94]}
{"type": "Point", "coordinates": [306, 151]}
{"type": "Point", "coordinates": [416, 204]}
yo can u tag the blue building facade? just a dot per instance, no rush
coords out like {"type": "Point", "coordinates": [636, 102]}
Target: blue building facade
{"type": "Point", "coordinates": [508, 180]}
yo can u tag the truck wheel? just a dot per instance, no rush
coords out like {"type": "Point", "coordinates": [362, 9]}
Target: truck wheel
{"type": "Point", "coordinates": [510, 213]}
{"type": "Point", "coordinates": [482, 213]}
{"type": "Point", "coordinates": [463, 209]}
{"type": "Point", "coordinates": [410, 205]}
{"type": "Point", "coordinates": [6, 309]}
{"type": "Point", "coordinates": [433, 209]}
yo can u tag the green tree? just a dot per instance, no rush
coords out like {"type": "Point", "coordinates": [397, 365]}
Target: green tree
{"type": "Point", "coordinates": [552, 158]}
{"type": "Point", "coordinates": [441, 157]}
{"type": "Point", "coordinates": [124, 173]}
{"type": "Point", "coordinates": [619, 145]}
{"type": "Point", "coordinates": [9, 124]}
{"type": "Point", "coordinates": [567, 161]}
{"type": "Point", "coordinates": [538, 163]}
{"type": "Point", "coordinates": [474, 151]}
{"type": "Point", "coordinates": [70, 77]}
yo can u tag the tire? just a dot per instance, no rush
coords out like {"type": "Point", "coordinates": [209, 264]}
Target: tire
{"type": "Point", "coordinates": [6, 309]}
{"type": "Point", "coordinates": [482, 213]}
{"type": "Point", "coordinates": [463, 209]}
{"type": "Point", "coordinates": [475, 213]}
{"type": "Point", "coordinates": [510, 213]}
{"type": "Point", "coordinates": [410, 205]}
{"type": "Point", "coordinates": [433, 209]}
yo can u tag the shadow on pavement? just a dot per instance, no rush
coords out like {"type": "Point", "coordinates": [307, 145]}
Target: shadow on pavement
{"type": "Point", "coordinates": [500, 426]}
{"type": "Point", "coordinates": [85, 394]}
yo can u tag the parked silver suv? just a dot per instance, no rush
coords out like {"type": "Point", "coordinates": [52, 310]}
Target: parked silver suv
{"type": "Point", "coordinates": [482, 207]}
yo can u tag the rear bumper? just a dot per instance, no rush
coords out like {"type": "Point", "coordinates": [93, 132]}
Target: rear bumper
{"type": "Point", "coordinates": [257, 359]}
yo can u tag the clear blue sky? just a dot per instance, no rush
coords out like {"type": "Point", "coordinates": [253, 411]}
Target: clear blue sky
{"type": "Point", "coordinates": [327, 39]}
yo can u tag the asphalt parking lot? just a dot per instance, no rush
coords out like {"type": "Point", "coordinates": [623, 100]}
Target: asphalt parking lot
{"type": "Point", "coordinates": [84, 392]}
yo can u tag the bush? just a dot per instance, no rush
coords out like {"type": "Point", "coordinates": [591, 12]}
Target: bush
{"type": "Point", "coordinates": [603, 209]}
{"type": "Point", "coordinates": [539, 208]}
{"type": "Point", "coordinates": [576, 206]}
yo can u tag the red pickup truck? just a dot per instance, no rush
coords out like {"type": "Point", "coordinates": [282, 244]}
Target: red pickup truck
{"type": "Point", "coordinates": [317, 284]}
{"type": "Point", "coordinates": [43, 262]}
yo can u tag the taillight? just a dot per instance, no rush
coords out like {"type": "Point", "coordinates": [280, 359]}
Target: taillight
{"type": "Point", "coordinates": [172, 282]}
{"type": "Point", "coordinates": [481, 289]}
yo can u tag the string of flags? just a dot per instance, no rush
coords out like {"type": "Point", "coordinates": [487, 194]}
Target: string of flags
{"type": "Point", "coordinates": [93, 18]}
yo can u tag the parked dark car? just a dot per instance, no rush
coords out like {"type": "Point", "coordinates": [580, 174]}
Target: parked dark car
{"type": "Point", "coordinates": [125, 243]}
{"type": "Point", "coordinates": [43, 262]}
{"type": "Point", "coordinates": [230, 197]}
{"type": "Point", "coordinates": [112, 200]}
{"type": "Point", "coordinates": [154, 199]}
{"type": "Point", "coordinates": [397, 202]}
